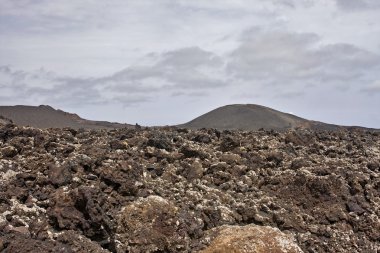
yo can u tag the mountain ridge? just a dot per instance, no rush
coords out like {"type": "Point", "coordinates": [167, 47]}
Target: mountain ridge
{"type": "Point", "coordinates": [45, 116]}
{"type": "Point", "coordinates": [248, 117]}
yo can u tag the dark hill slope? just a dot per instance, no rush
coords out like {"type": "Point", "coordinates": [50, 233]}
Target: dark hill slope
{"type": "Point", "coordinates": [47, 117]}
{"type": "Point", "coordinates": [253, 117]}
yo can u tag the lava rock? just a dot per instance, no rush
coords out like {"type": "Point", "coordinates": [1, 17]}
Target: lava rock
{"type": "Point", "coordinates": [228, 143]}
{"type": "Point", "coordinates": [354, 207]}
{"type": "Point", "coordinates": [173, 190]}
{"type": "Point", "coordinates": [250, 238]}
{"type": "Point", "coordinates": [8, 152]}
{"type": "Point", "coordinates": [150, 225]}
{"type": "Point", "coordinates": [59, 175]}
{"type": "Point", "coordinates": [160, 142]}
{"type": "Point", "coordinates": [117, 144]}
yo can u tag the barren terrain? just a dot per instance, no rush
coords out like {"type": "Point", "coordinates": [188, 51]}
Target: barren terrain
{"type": "Point", "coordinates": [179, 190]}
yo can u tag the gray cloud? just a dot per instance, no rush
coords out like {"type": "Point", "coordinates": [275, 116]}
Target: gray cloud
{"type": "Point", "coordinates": [279, 58]}
{"type": "Point", "coordinates": [185, 68]}
{"type": "Point", "coordinates": [358, 4]}
{"type": "Point", "coordinates": [270, 59]}
{"type": "Point", "coordinates": [290, 94]}
{"type": "Point", "coordinates": [46, 88]}
{"type": "Point", "coordinates": [372, 89]}
{"type": "Point", "coordinates": [190, 58]}
{"type": "Point", "coordinates": [120, 54]}
{"type": "Point", "coordinates": [190, 94]}
{"type": "Point", "coordinates": [175, 71]}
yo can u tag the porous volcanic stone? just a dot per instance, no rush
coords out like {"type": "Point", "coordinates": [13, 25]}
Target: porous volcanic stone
{"type": "Point", "coordinates": [150, 225]}
{"type": "Point", "coordinates": [182, 190]}
{"type": "Point", "coordinates": [250, 239]}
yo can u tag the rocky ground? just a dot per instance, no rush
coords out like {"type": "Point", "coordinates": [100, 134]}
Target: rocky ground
{"type": "Point", "coordinates": [176, 190]}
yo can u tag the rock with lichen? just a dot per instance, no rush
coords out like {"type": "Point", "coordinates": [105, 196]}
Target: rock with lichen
{"type": "Point", "coordinates": [181, 190]}
{"type": "Point", "coordinates": [250, 239]}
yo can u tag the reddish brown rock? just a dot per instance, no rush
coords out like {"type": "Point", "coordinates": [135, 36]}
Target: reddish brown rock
{"type": "Point", "coordinates": [150, 225]}
{"type": "Point", "coordinates": [59, 174]}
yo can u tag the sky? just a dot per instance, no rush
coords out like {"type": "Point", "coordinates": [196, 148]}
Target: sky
{"type": "Point", "coordinates": [162, 62]}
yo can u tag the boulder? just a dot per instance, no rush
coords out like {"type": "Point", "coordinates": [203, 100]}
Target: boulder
{"type": "Point", "coordinates": [250, 239]}
{"type": "Point", "coordinates": [150, 225]}
{"type": "Point", "coordinates": [8, 152]}
{"type": "Point", "coordinates": [59, 175]}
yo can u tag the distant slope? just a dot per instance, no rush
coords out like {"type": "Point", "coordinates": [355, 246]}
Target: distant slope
{"type": "Point", "coordinates": [253, 117]}
{"type": "Point", "coordinates": [44, 116]}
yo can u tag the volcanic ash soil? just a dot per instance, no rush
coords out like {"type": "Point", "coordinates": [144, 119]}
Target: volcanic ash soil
{"type": "Point", "coordinates": [177, 190]}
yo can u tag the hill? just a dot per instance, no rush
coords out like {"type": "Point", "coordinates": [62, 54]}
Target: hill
{"type": "Point", "coordinates": [249, 117]}
{"type": "Point", "coordinates": [44, 116]}
{"type": "Point", "coordinates": [252, 117]}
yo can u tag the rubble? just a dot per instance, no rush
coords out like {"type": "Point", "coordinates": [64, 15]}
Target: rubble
{"type": "Point", "coordinates": [180, 190]}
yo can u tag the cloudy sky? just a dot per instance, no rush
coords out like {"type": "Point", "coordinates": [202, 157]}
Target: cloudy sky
{"type": "Point", "coordinates": [164, 62]}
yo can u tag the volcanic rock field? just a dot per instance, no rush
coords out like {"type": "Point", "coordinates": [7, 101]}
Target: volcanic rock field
{"type": "Point", "coordinates": [179, 190]}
